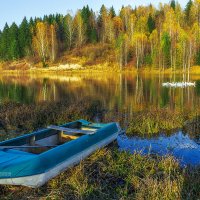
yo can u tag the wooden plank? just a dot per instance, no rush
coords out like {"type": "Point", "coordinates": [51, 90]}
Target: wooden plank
{"type": "Point", "coordinates": [70, 130]}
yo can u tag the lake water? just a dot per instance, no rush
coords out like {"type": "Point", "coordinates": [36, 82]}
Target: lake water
{"type": "Point", "coordinates": [127, 92]}
{"type": "Point", "coordinates": [114, 91]}
{"type": "Point", "coordinates": [180, 145]}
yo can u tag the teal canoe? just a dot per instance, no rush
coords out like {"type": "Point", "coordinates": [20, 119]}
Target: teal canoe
{"type": "Point", "coordinates": [33, 159]}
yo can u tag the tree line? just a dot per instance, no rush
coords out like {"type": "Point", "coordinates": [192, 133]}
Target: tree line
{"type": "Point", "coordinates": [167, 36]}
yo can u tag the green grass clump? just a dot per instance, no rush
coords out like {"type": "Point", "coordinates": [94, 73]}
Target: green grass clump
{"type": "Point", "coordinates": [155, 121]}
{"type": "Point", "coordinates": [111, 174]}
{"type": "Point", "coordinates": [192, 127]}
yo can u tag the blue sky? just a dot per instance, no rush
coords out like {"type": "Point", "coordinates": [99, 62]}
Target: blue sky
{"type": "Point", "coordinates": [15, 10]}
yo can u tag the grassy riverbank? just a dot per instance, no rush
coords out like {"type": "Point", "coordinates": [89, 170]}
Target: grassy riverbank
{"type": "Point", "coordinates": [108, 173]}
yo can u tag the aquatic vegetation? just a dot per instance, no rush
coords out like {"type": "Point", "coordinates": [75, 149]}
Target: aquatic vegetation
{"type": "Point", "coordinates": [192, 127]}
{"type": "Point", "coordinates": [150, 122]}
{"type": "Point", "coordinates": [21, 118]}
{"type": "Point", "coordinates": [155, 121]}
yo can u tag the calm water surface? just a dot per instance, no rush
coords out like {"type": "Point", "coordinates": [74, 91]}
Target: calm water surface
{"type": "Point", "coordinates": [180, 145]}
{"type": "Point", "coordinates": [117, 92]}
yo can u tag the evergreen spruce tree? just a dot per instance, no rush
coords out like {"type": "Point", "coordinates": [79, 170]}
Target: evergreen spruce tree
{"type": "Point", "coordinates": [89, 20]}
{"type": "Point", "coordinates": [93, 36]}
{"type": "Point", "coordinates": [151, 24]}
{"type": "Point", "coordinates": [166, 45]}
{"type": "Point", "coordinates": [5, 43]}
{"type": "Point", "coordinates": [60, 32]}
{"type": "Point", "coordinates": [14, 48]}
{"type": "Point", "coordinates": [173, 4]}
{"type": "Point", "coordinates": [188, 10]}
{"type": "Point", "coordinates": [112, 12]}
{"type": "Point", "coordinates": [85, 13]}
{"type": "Point", "coordinates": [25, 38]}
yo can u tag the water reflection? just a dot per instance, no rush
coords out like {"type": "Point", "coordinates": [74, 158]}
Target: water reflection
{"type": "Point", "coordinates": [117, 91]}
{"type": "Point", "coordinates": [180, 145]}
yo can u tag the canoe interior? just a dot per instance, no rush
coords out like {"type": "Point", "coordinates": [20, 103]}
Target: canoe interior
{"type": "Point", "coordinates": [47, 139]}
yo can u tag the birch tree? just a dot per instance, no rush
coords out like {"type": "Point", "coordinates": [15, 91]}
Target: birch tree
{"type": "Point", "coordinates": [53, 45]}
{"type": "Point", "coordinates": [79, 29]}
{"type": "Point", "coordinates": [69, 30]}
{"type": "Point", "coordinates": [40, 41]}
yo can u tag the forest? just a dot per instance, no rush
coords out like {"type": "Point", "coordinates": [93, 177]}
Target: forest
{"type": "Point", "coordinates": [163, 36]}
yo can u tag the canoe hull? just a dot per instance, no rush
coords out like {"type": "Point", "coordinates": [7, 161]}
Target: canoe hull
{"type": "Point", "coordinates": [40, 179]}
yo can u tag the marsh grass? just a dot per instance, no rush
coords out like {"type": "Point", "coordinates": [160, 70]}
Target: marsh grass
{"type": "Point", "coordinates": [156, 121]}
{"type": "Point", "coordinates": [16, 118]}
{"type": "Point", "coordinates": [192, 127]}
{"type": "Point", "coordinates": [111, 174]}
{"type": "Point", "coordinates": [150, 122]}
{"type": "Point", "coordinates": [108, 173]}
{"type": "Point", "coordinates": [22, 118]}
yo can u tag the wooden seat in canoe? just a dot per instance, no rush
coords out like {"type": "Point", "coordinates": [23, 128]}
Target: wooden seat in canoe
{"type": "Point", "coordinates": [67, 134]}
{"type": "Point", "coordinates": [71, 131]}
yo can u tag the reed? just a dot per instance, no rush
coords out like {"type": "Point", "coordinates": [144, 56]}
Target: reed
{"type": "Point", "coordinates": [16, 118]}
{"type": "Point", "coordinates": [154, 122]}
{"type": "Point", "coordinates": [150, 122]}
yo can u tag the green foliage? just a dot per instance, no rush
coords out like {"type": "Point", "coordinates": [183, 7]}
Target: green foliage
{"type": "Point", "coordinates": [25, 38]}
{"type": "Point", "coordinates": [14, 48]}
{"type": "Point", "coordinates": [102, 12]}
{"type": "Point", "coordinates": [173, 4]}
{"type": "Point", "coordinates": [89, 22]}
{"type": "Point", "coordinates": [166, 45]}
{"type": "Point", "coordinates": [198, 58]}
{"type": "Point", "coordinates": [60, 31]}
{"type": "Point", "coordinates": [148, 60]}
{"type": "Point", "coordinates": [188, 11]}
{"type": "Point", "coordinates": [197, 88]}
{"type": "Point", "coordinates": [93, 36]}
{"type": "Point", "coordinates": [112, 12]}
{"type": "Point", "coordinates": [4, 45]}
{"type": "Point", "coordinates": [152, 122]}
{"type": "Point", "coordinates": [151, 24]}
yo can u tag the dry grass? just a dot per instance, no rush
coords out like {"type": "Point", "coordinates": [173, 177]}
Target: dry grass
{"type": "Point", "coordinates": [20, 118]}
{"type": "Point", "coordinates": [110, 174]}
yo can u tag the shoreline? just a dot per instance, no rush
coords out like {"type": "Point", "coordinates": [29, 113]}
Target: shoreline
{"type": "Point", "coordinates": [24, 67]}
{"type": "Point", "coordinates": [51, 70]}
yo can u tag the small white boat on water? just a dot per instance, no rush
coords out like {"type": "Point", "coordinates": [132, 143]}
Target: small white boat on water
{"type": "Point", "coordinates": [179, 84]}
